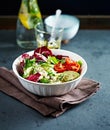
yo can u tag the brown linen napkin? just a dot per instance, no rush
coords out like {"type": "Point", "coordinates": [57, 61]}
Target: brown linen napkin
{"type": "Point", "coordinates": [54, 106]}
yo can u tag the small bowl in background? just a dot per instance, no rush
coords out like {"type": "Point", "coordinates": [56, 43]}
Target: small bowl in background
{"type": "Point", "coordinates": [69, 23]}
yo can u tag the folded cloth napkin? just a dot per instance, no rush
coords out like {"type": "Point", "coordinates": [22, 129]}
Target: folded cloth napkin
{"type": "Point", "coordinates": [47, 106]}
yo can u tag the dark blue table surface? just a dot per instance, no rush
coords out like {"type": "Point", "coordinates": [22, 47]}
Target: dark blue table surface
{"type": "Point", "coordinates": [93, 114]}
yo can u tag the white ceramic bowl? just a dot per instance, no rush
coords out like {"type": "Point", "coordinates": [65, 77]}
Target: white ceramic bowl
{"type": "Point", "coordinates": [69, 23]}
{"type": "Point", "coordinates": [44, 89]}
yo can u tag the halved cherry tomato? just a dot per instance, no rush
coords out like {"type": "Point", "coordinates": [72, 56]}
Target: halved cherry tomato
{"type": "Point", "coordinates": [59, 67]}
{"type": "Point", "coordinates": [76, 67]}
{"type": "Point", "coordinates": [73, 66]}
{"type": "Point", "coordinates": [68, 65]}
{"type": "Point", "coordinates": [68, 60]}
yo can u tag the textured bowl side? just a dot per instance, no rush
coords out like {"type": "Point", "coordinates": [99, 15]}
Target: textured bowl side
{"type": "Point", "coordinates": [51, 90]}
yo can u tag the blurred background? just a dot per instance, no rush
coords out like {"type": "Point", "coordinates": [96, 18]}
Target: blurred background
{"type": "Point", "coordinates": [76, 7]}
{"type": "Point", "coordinates": [88, 11]}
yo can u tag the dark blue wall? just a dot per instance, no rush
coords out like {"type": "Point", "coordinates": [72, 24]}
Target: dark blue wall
{"type": "Point", "coordinates": [77, 7]}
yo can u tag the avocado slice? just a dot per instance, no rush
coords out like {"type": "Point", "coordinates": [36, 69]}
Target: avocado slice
{"type": "Point", "coordinates": [69, 75]}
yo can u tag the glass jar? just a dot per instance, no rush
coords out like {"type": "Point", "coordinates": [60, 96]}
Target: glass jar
{"type": "Point", "coordinates": [29, 15]}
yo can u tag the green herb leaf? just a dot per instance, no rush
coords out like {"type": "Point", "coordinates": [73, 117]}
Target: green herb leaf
{"type": "Point", "coordinates": [44, 80]}
{"type": "Point", "coordinates": [29, 62]}
{"type": "Point", "coordinates": [52, 59]}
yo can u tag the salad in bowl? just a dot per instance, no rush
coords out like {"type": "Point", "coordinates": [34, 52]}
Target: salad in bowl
{"type": "Point", "coordinates": [49, 72]}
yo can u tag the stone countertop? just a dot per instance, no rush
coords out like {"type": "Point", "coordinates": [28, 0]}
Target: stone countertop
{"type": "Point", "coordinates": [93, 114]}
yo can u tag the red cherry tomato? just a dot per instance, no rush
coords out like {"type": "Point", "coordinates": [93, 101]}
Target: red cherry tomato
{"type": "Point", "coordinates": [76, 67]}
{"type": "Point", "coordinates": [59, 67]}
{"type": "Point", "coordinates": [72, 65]}
{"type": "Point", "coordinates": [68, 60]}
{"type": "Point", "coordinates": [68, 65]}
